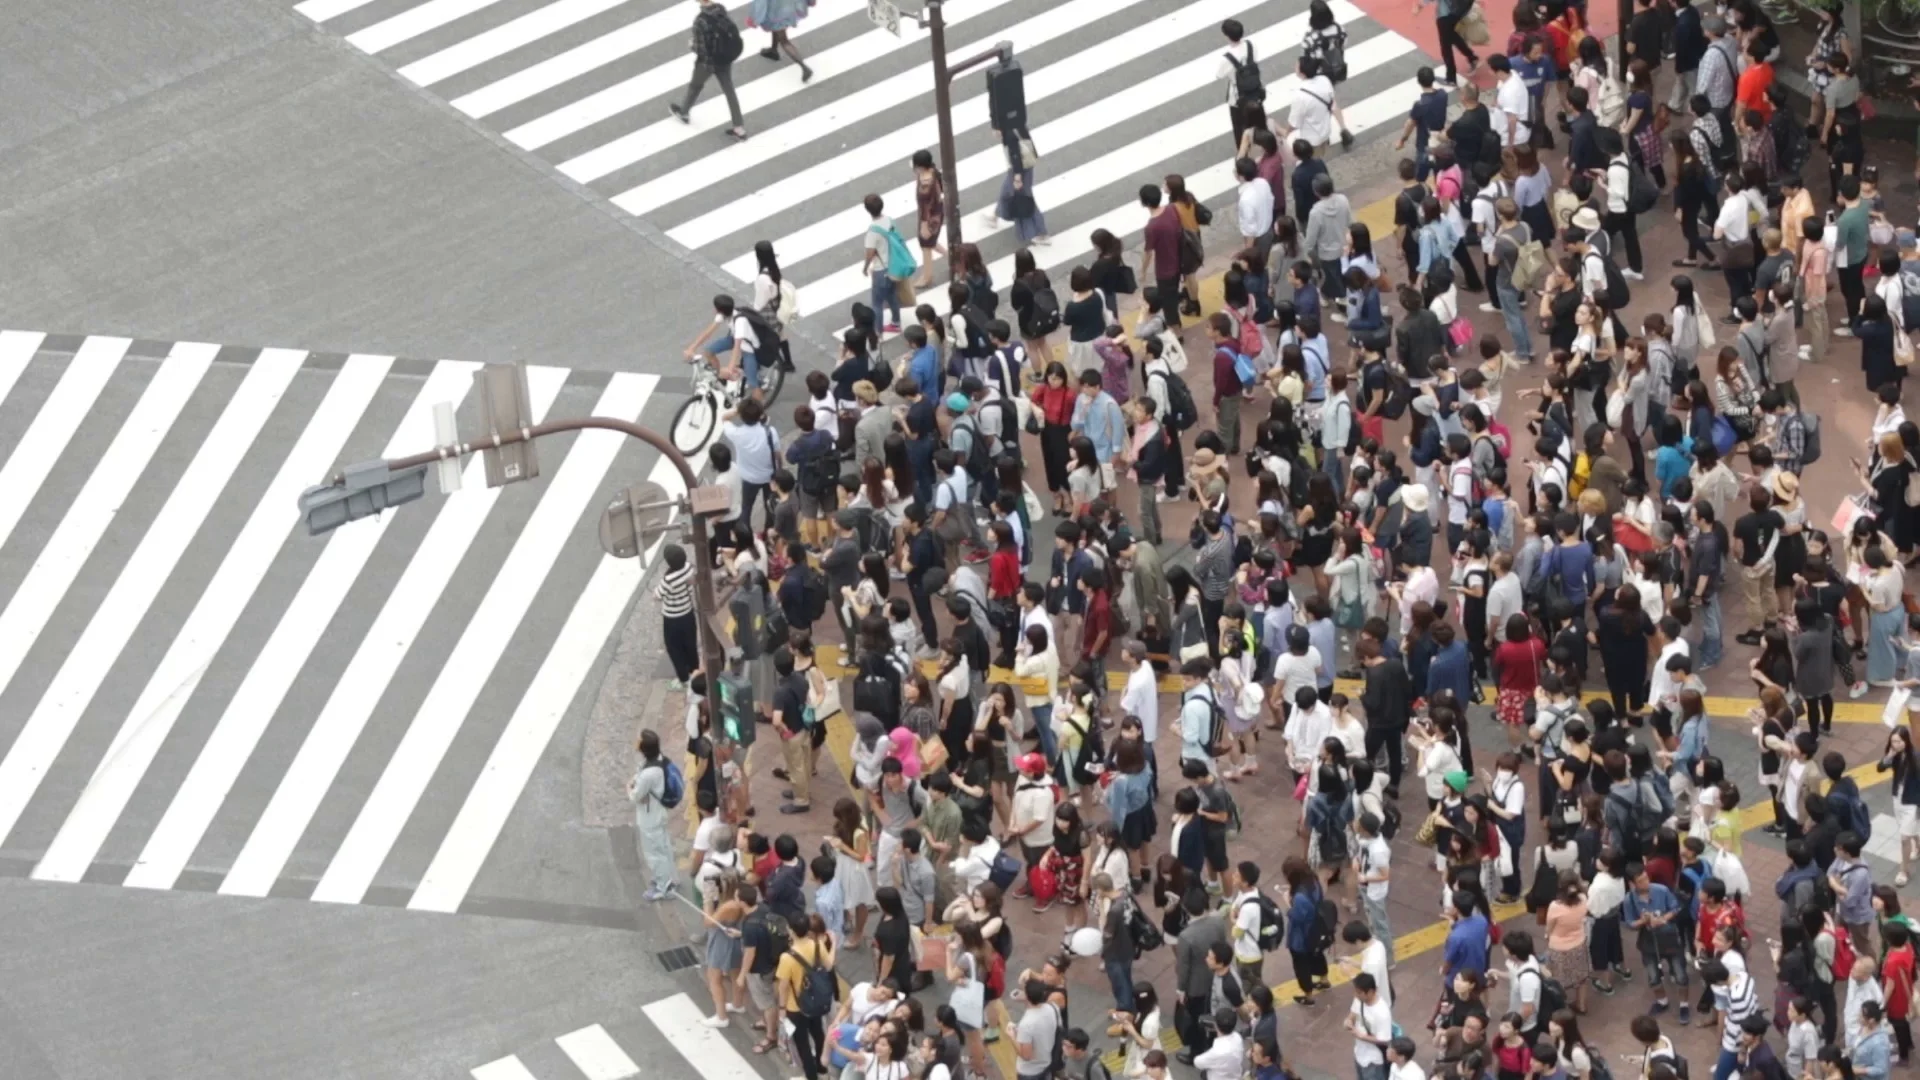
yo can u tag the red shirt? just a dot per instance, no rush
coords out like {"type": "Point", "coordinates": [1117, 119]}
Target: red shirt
{"type": "Point", "coordinates": [1226, 381]}
{"type": "Point", "coordinates": [1711, 921]}
{"type": "Point", "coordinates": [1096, 625]}
{"type": "Point", "coordinates": [1003, 573]}
{"type": "Point", "coordinates": [1518, 663]}
{"type": "Point", "coordinates": [1163, 240]}
{"type": "Point", "coordinates": [1751, 91]}
{"type": "Point", "coordinates": [1896, 978]}
{"type": "Point", "coordinates": [1056, 404]}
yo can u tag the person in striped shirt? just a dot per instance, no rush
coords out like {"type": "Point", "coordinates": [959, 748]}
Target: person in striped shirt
{"type": "Point", "coordinates": [675, 594]}
{"type": "Point", "coordinates": [1734, 999]}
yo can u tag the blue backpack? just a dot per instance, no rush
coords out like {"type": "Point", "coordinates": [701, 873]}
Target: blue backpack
{"type": "Point", "coordinates": [674, 784]}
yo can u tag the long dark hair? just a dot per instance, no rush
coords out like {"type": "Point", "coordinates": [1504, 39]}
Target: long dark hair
{"type": "Point", "coordinates": [770, 266]}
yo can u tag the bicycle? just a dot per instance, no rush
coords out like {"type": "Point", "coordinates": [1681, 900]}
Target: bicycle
{"type": "Point", "coordinates": [694, 421]}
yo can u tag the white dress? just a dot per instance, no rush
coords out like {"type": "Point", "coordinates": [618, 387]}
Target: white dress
{"type": "Point", "coordinates": [856, 881]}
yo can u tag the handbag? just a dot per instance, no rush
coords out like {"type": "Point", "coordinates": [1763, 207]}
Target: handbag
{"type": "Point", "coordinates": [1473, 27]}
{"type": "Point", "coordinates": [1902, 348]}
{"type": "Point", "coordinates": [1738, 255]}
{"type": "Point", "coordinates": [969, 1003]}
{"type": "Point", "coordinates": [1125, 281]}
{"type": "Point", "coordinates": [1851, 509]}
{"type": "Point", "coordinates": [1895, 713]}
{"type": "Point", "coordinates": [1429, 829]}
{"type": "Point", "coordinates": [1460, 331]}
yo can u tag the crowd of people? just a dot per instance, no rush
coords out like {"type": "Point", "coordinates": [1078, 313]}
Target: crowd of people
{"type": "Point", "coordinates": [1512, 548]}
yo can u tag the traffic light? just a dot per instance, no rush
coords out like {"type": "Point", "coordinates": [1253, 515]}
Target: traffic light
{"type": "Point", "coordinates": [1007, 96]}
{"type": "Point", "coordinates": [737, 712]}
{"type": "Point", "coordinates": [365, 490]}
{"type": "Point", "coordinates": [505, 407]}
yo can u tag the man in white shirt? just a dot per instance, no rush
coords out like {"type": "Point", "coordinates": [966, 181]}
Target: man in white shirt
{"type": "Point", "coordinates": [1524, 983]}
{"type": "Point", "coordinates": [1307, 728]}
{"type": "Point", "coordinates": [1620, 221]}
{"type": "Point", "coordinates": [1371, 1023]}
{"type": "Point", "coordinates": [1400, 1063]}
{"type": "Point", "coordinates": [1512, 104]}
{"type": "Point", "coordinates": [1243, 110]}
{"type": "Point", "coordinates": [1310, 117]}
{"type": "Point", "coordinates": [1255, 210]}
{"type": "Point", "coordinates": [1663, 690]}
{"type": "Point", "coordinates": [1141, 698]}
{"type": "Point", "coordinates": [1244, 928]}
{"type": "Point", "coordinates": [1372, 864]}
{"type": "Point", "coordinates": [1226, 1058]}
{"type": "Point", "coordinates": [1196, 712]}
{"type": "Point", "coordinates": [975, 864]}
{"type": "Point", "coordinates": [1505, 598]}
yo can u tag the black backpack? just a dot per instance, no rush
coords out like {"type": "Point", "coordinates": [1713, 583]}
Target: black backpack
{"type": "Point", "coordinates": [978, 344]}
{"type": "Point", "coordinates": [979, 456]}
{"type": "Point", "coordinates": [1044, 319]}
{"type": "Point", "coordinates": [779, 935]}
{"type": "Point", "coordinates": [1326, 917]}
{"type": "Point", "coordinates": [1618, 295]}
{"type": "Point", "coordinates": [1390, 821]}
{"type": "Point", "coordinates": [764, 329]}
{"type": "Point", "coordinates": [819, 989]}
{"type": "Point", "coordinates": [819, 474]}
{"type": "Point", "coordinates": [1553, 996]}
{"type": "Point", "coordinates": [1181, 411]}
{"type": "Point", "coordinates": [1642, 192]}
{"type": "Point", "coordinates": [873, 693]}
{"type": "Point", "coordinates": [1273, 922]}
{"type": "Point", "coordinates": [1146, 933]}
{"type": "Point", "coordinates": [1247, 87]}
{"type": "Point", "coordinates": [719, 38]}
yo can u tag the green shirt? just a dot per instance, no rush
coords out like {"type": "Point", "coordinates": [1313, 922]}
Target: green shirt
{"type": "Point", "coordinates": [940, 822]}
{"type": "Point", "coordinates": [1853, 234]}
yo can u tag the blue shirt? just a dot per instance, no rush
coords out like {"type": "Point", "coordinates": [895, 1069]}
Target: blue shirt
{"type": "Point", "coordinates": [1574, 564]}
{"type": "Point", "coordinates": [1660, 900]}
{"type": "Point", "coordinates": [1450, 669]}
{"type": "Point", "coordinates": [1693, 744]}
{"type": "Point", "coordinates": [1670, 463]}
{"type": "Point", "coordinates": [1099, 419]}
{"type": "Point", "coordinates": [1320, 635]}
{"type": "Point", "coordinates": [926, 370]}
{"type": "Point", "coordinates": [829, 902]}
{"type": "Point", "coordinates": [1306, 300]}
{"type": "Point", "coordinates": [1466, 947]}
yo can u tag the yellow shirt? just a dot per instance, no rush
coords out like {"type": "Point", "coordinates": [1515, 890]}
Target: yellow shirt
{"type": "Point", "coordinates": [792, 969]}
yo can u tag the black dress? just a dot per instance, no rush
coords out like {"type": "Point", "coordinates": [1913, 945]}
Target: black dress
{"type": "Point", "coordinates": [1897, 519]}
{"type": "Point", "coordinates": [1876, 353]}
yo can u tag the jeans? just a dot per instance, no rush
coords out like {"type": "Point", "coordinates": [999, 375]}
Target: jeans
{"type": "Point", "coordinates": [1333, 287]}
{"type": "Point", "coordinates": [1370, 1072]}
{"type": "Point", "coordinates": [1331, 464]}
{"type": "Point", "coordinates": [1043, 731]}
{"type": "Point", "coordinates": [1377, 922]}
{"type": "Point", "coordinates": [722, 74]}
{"type": "Point", "coordinates": [1709, 611]}
{"type": "Point", "coordinates": [883, 297]}
{"type": "Point", "coordinates": [1512, 311]}
{"type": "Point", "coordinates": [1727, 1064]}
{"type": "Point", "coordinates": [750, 364]}
{"type": "Point", "coordinates": [1120, 979]}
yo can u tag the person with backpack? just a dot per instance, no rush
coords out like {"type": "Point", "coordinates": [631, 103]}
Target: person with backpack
{"type": "Point", "coordinates": [808, 989]}
{"type": "Point", "coordinates": [716, 44]}
{"type": "Point", "coordinates": [1653, 910]}
{"type": "Point", "coordinates": [1246, 93]}
{"type": "Point", "coordinates": [656, 789]}
{"type": "Point", "coordinates": [1851, 880]}
{"type": "Point", "coordinates": [1310, 928]}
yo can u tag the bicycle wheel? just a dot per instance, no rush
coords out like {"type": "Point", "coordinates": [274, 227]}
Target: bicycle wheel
{"type": "Point", "coordinates": [693, 422]}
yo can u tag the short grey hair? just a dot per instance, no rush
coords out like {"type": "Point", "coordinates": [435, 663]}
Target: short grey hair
{"type": "Point", "coordinates": [1714, 25]}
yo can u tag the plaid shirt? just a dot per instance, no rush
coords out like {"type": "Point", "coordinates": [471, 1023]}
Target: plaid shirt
{"type": "Point", "coordinates": [1756, 148]}
{"type": "Point", "coordinates": [1705, 134]}
{"type": "Point", "coordinates": [1790, 442]}
{"type": "Point", "coordinates": [1719, 72]}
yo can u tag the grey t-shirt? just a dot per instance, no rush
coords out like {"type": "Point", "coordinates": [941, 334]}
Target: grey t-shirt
{"type": "Point", "coordinates": [1037, 1028]}
{"type": "Point", "coordinates": [902, 806]}
{"type": "Point", "coordinates": [876, 241]}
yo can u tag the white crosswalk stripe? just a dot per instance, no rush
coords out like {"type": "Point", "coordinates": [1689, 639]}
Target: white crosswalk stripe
{"type": "Point", "coordinates": [1119, 92]}
{"type": "Point", "coordinates": [169, 628]}
{"type": "Point", "coordinates": [599, 1054]}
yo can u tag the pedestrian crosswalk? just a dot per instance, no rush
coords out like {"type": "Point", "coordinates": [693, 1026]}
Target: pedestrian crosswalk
{"type": "Point", "coordinates": [599, 1054]}
{"type": "Point", "coordinates": [1120, 92]}
{"type": "Point", "coordinates": [193, 692]}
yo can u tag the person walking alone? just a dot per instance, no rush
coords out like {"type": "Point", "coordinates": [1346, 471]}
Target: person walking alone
{"type": "Point", "coordinates": [778, 17]}
{"type": "Point", "coordinates": [716, 45]}
{"type": "Point", "coordinates": [1446, 18]}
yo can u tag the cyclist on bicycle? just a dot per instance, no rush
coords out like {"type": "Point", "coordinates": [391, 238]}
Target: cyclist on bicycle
{"type": "Point", "coordinates": [731, 333]}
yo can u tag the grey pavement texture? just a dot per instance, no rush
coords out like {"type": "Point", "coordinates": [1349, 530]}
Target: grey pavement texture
{"type": "Point", "coordinates": [225, 171]}
{"type": "Point", "coordinates": [129, 984]}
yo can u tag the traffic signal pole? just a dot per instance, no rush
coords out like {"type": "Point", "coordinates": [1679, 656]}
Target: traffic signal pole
{"type": "Point", "coordinates": [943, 75]}
{"type": "Point", "coordinates": [712, 656]}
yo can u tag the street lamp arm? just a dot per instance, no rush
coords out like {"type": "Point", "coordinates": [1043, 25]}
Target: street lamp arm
{"type": "Point", "coordinates": [552, 427]}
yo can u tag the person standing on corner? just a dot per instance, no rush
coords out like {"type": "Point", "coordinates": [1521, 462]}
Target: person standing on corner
{"type": "Point", "coordinates": [1017, 204]}
{"type": "Point", "coordinates": [716, 45]}
{"type": "Point", "coordinates": [647, 791]}
{"type": "Point", "coordinates": [1160, 258]}
{"type": "Point", "coordinates": [1246, 95]}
